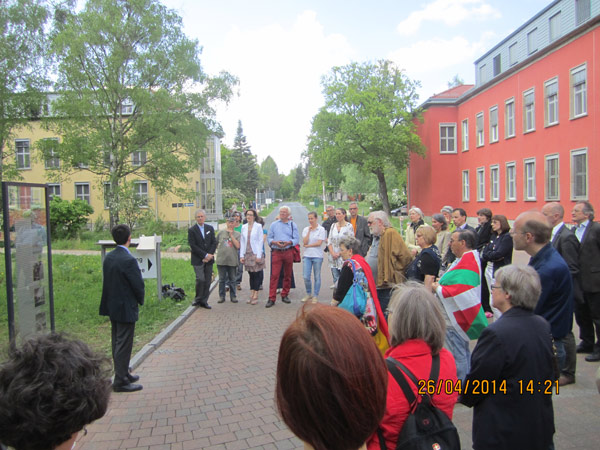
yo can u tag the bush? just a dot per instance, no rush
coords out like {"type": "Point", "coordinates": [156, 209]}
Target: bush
{"type": "Point", "coordinates": [67, 218]}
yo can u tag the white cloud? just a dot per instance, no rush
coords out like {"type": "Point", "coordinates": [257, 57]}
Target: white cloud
{"type": "Point", "coordinates": [450, 12]}
{"type": "Point", "coordinates": [280, 71]}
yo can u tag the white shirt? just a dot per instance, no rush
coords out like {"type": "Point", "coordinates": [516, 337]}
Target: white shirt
{"type": "Point", "coordinates": [319, 234]}
{"type": "Point", "coordinates": [555, 230]}
{"type": "Point", "coordinates": [580, 230]}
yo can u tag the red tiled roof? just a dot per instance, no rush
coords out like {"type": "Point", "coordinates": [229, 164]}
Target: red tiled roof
{"type": "Point", "coordinates": [454, 92]}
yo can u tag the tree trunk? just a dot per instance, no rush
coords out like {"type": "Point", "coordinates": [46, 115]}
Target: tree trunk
{"type": "Point", "coordinates": [383, 190]}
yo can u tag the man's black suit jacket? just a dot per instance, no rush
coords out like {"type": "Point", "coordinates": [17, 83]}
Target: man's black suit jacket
{"type": "Point", "coordinates": [567, 244]}
{"type": "Point", "coordinates": [122, 287]}
{"type": "Point", "coordinates": [363, 235]}
{"type": "Point", "coordinates": [589, 258]}
{"type": "Point", "coordinates": [199, 245]}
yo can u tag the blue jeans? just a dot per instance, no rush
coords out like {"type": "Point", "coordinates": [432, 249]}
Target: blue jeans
{"type": "Point", "coordinates": [314, 264]}
{"type": "Point", "coordinates": [384, 296]}
{"type": "Point", "coordinates": [335, 273]}
{"type": "Point", "coordinates": [561, 353]}
{"type": "Point", "coordinates": [460, 350]}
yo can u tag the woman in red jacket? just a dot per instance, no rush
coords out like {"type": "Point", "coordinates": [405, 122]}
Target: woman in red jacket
{"type": "Point", "coordinates": [417, 331]}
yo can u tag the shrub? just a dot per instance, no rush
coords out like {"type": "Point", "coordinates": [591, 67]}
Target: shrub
{"type": "Point", "coordinates": [67, 218]}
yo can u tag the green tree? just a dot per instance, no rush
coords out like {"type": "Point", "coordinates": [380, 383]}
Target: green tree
{"type": "Point", "coordinates": [245, 162]}
{"type": "Point", "coordinates": [269, 175]}
{"type": "Point", "coordinates": [369, 121]}
{"type": "Point", "coordinates": [455, 82]}
{"type": "Point", "coordinates": [133, 100]}
{"type": "Point", "coordinates": [68, 218]}
{"type": "Point", "coordinates": [299, 177]}
{"type": "Point", "coordinates": [23, 47]}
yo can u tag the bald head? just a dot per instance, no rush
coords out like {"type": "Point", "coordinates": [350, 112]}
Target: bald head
{"type": "Point", "coordinates": [531, 232]}
{"type": "Point", "coordinates": [554, 213]}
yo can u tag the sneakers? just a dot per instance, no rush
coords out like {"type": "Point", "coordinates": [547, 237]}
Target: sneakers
{"type": "Point", "coordinates": [305, 299]}
{"type": "Point", "coordinates": [315, 299]}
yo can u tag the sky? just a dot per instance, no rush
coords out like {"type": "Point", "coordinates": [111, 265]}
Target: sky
{"type": "Point", "coordinates": [280, 49]}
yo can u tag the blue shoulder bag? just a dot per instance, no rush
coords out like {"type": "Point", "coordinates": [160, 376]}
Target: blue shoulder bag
{"type": "Point", "coordinates": [355, 300]}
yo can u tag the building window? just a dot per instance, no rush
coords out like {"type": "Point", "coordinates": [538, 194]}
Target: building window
{"type": "Point", "coordinates": [447, 138]}
{"type": "Point", "coordinates": [579, 91]}
{"type": "Point", "coordinates": [141, 191]}
{"type": "Point", "coordinates": [82, 191]}
{"type": "Point", "coordinates": [494, 124]}
{"type": "Point", "coordinates": [554, 27]}
{"type": "Point", "coordinates": [481, 184]}
{"type": "Point", "coordinates": [465, 135]}
{"type": "Point", "coordinates": [583, 11]}
{"type": "Point", "coordinates": [138, 158]}
{"type": "Point", "coordinates": [53, 190]}
{"type": "Point", "coordinates": [465, 186]}
{"type": "Point", "coordinates": [482, 73]}
{"type": "Point", "coordinates": [50, 153]}
{"type": "Point", "coordinates": [532, 41]}
{"type": "Point", "coordinates": [579, 185]}
{"type": "Point", "coordinates": [495, 183]}
{"type": "Point", "coordinates": [480, 132]}
{"type": "Point", "coordinates": [509, 118]}
{"type": "Point", "coordinates": [512, 54]}
{"type": "Point", "coordinates": [127, 107]}
{"type": "Point", "coordinates": [529, 166]}
{"type": "Point", "coordinates": [552, 178]}
{"type": "Point", "coordinates": [511, 182]}
{"type": "Point", "coordinates": [497, 65]}
{"type": "Point", "coordinates": [551, 102]}
{"type": "Point", "coordinates": [529, 111]}
{"type": "Point", "coordinates": [22, 151]}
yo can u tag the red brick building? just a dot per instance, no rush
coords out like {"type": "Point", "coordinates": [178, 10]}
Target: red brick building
{"type": "Point", "coordinates": [528, 131]}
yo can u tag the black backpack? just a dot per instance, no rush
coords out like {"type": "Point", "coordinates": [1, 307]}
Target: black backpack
{"type": "Point", "coordinates": [426, 427]}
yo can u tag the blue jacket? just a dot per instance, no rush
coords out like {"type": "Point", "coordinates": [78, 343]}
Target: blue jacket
{"type": "Point", "coordinates": [556, 301]}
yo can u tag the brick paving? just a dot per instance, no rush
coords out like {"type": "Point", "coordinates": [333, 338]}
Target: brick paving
{"type": "Point", "coordinates": [211, 386]}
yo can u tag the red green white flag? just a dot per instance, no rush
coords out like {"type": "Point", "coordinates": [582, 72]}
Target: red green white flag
{"type": "Point", "coordinates": [460, 293]}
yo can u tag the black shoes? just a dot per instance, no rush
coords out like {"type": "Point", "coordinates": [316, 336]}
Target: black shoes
{"type": "Point", "coordinates": [595, 356]}
{"type": "Point", "coordinates": [285, 300]}
{"type": "Point", "coordinates": [269, 304]}
{"type": "Point", "coordinates": [564, 380]}
{"type": "Point", "coordinates": [202, 305]}
{"type": "Point", "coordinates": [127, 387]}
{"type": "Point", "coordinates": [132, 378]}
{"type": "Point", "coordinates": [583, 348]}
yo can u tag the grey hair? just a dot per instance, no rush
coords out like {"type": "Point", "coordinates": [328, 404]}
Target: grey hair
{"type": "Point", "coordinates": [416, 314]}
{"type": "Point", "coordinates": [522, 283]}
{"type": "Point", "coordinates": [447, 209]}
{"type": "Point", "coordinates": [417, 210]}
{"type": "Point", "coordinates": [198, 211]}
{"type": "Point", "coordinates": [587, 209]}
{"type": "Point", "coordinates": [381, 215]}
{"type": "Point", "coordinates": [287, 208]}
{"type": "Point", "coordinates": [351, 243]}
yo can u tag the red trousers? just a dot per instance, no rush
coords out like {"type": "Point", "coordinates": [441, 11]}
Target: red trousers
{"type": "Point", "coordinates": [279, 258]}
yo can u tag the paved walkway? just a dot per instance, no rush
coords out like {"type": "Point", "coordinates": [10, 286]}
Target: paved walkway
{"type": "Point", "coordinates": [211, 386]}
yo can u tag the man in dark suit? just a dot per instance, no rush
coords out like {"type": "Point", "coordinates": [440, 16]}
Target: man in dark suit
{"type": "Point", "coordinates": [565, 242]}
{"type": "Point", "coordinates": [361, 229]}
{"type": "Point", "coordinates": [587, 313]}
{"type": "Point", "coordinates": [122, 292]}
{"type": "Point", "coordinates": [203, 244]}
{"type": "Point", "coordinates": [459, 218]}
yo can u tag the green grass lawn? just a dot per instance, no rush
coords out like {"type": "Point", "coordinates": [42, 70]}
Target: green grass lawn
{"type": "Point", "coordinates": [77, 290]}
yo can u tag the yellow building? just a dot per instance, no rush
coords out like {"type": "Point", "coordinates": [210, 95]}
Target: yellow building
{"type": "Point", "coordinates": [85, 185]}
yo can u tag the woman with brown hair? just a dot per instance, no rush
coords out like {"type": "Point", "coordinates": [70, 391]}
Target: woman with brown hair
{"type": "Point", "coordinates": [251, 252]}
{"type": "Point", "coordinates": [331, 379]}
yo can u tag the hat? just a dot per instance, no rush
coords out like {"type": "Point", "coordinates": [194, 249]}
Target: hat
{"type": "Point", "coordinates": [447, 209]}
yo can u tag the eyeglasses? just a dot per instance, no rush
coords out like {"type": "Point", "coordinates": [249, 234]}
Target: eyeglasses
{"type": "Point", "coordinates": [495, 286]}
{"type": "Point", "coordinates": [369, 222]}
{"type": "Point", "coordinates": [352, 209]}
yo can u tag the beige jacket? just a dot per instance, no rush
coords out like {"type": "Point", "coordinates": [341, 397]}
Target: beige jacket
{"type": "Point", "coordinates": [392, 259]}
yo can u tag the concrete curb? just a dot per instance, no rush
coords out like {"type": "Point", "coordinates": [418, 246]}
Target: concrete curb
{"type": "Point", "coordinates": [165, 333]}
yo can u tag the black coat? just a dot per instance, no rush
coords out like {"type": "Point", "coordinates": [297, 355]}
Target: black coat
{"type": "Point", "coordinates": [484, 234]}
{"type": "Point", "coordinates": [122, 287]}
{"type": "Point", "coordinates": [589, 258]}
{"type": "Point", "coordinates": [499, 251]}
{"type": "Point", "coordinates": [516, 348]}
{"type": "Point", "coordinates": [199, 245]}
{"type": "Point", "coordinates": [567, 244]}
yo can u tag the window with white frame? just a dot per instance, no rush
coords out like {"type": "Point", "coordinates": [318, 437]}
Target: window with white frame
{"type": "Point", "coordinates": [552, 178]}
{"type": "Point", "coordinates": [551, 102]}
{"type": "Point", "coordinates": [465, 186]}
{"type": "Point", "coordinates": [53, 190]}
{"type": "Point", "coordinates": [511, 181]}
{"type": "Point", "coordinates": [127, 107]}
{"type": "Point", "coordinates": [481, 184]}
{"type": "Point", "coordinates": [509, 118]}
{"type": "Point", "coordinates": [512, 54]}
{"type": "Point", "coordinates": [138, 158]}
{"type": "Point", "coordinates": [495, 183]}
{"type": "Point", "coordinates": [447, 138]}
{"type": "Point", "coordinates": [22, 153]}
{"type": "Point", "coordinates": [583, 11]}
{"type": "Point", "coordinates": [532, 44]}
{"type": "Point", "coordinates": [480, 132]}
{"type": "Point", "coordinates": [50, 152]}
{"type": "Point", "coordinates": [529, 179]}
{"type": "Point", "coordinates": [529, 111]}
{"type": "Point", "coordinates": [465, 135]}
{"type": "Point", "coordinates": [579, 174]}
{"type": "Point", "coordinates": [82, 191]}
{"type": "Point", "coordinates": [141, 191]}
{"type": "Point", "coordinates": [579, 91]}
{"type": "Point", "coordinates": [494, 124]}
{"type": "Point", "coordinates": [554, 27]}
